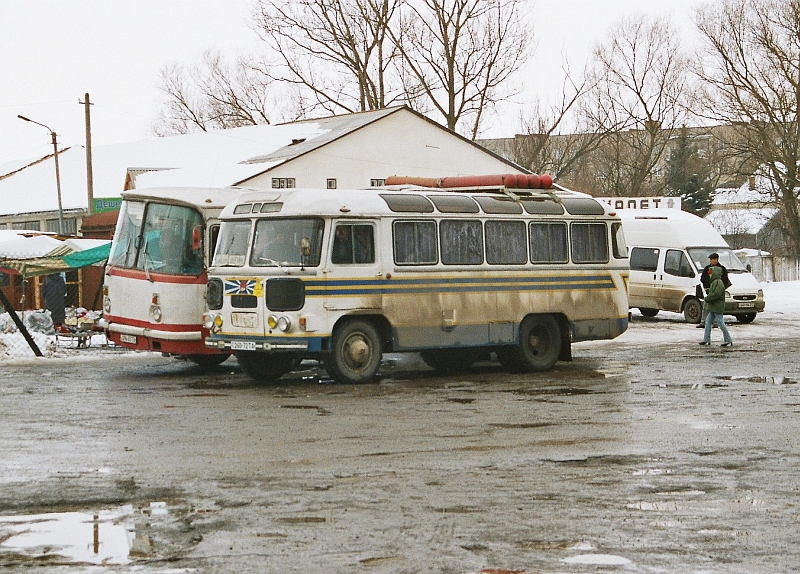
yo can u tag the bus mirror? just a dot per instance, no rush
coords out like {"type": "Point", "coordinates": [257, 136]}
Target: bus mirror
{"type": "Point", "coordinates": [196, 238]}
{"type": "Point", "coordinates": [305, 246]}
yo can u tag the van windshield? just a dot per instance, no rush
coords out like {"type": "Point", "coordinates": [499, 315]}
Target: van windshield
{"type": "Point", "coordinates": [727, 258]}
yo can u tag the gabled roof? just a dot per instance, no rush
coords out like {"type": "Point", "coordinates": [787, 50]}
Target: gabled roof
{"type": "Point", "coordinates": [203, 159]}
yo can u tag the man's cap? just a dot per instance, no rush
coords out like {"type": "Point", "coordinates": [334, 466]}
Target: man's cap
{"type": "Point", "coordinates": [714, 256]}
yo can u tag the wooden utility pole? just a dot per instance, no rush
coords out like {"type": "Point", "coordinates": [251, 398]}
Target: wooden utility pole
{"type": "Point", "coordinates": [89, 178]}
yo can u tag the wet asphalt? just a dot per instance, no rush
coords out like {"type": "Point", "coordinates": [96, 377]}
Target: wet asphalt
{"type": "Point", "coordinates": [645, 454]}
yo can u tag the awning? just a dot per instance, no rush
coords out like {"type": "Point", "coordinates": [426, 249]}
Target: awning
{"type": "Point", "coordinates": [45, 254]}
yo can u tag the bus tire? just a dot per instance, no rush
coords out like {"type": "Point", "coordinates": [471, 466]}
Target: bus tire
{"type": "Point", "coordinates": [746, 317]}
{"type": "Point", "coordinates": [211, 360]}
{"type": "Point", "coordinates": [648, 312]}
{"type": "Point", "coordinates": [447, 361]}
{"type": "Point", "coordinates": [355, 352]}
{"type": "Point", "coordinates": [265, 367]}
{"type": "Point", "coordinates": [539, 346]}
{"type": "Point", "coordinates": [693, 311]}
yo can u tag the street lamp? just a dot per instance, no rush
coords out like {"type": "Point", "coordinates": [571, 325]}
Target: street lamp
{"type": "Point", "coordinates": [58, 176]}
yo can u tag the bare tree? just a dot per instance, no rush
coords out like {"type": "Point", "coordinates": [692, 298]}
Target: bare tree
{"type": "Point", "coordinates": [555, 138]}
{"type": "Point", "coordinates": [751, 63]}
{"type": "Point", "coordinates": [336, 52]}
{"type": "Point", "coordinates": [459, 55]}
{"type": "Point", "coordinates": [640, 99]}
{"type": "Point", "coordinates": [213, 95]}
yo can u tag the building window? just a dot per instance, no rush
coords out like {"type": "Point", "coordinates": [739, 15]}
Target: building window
{"type": "Point", "coordinates": [377, 182]}
{"type": "Point", "coordinates": [3, 225]}
{"type": "Point", "coordinates": [70, 226]}
{"type": "Point", "coordinates": [331, 183]}
{"type": "Point", "coordinates": [4, 280]}
{"type": "Point", "coordinates": [29, 225]}
{"type": "Point", "coordinates": [282, 182]}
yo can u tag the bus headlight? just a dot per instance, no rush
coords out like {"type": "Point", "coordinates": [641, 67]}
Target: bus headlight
{"type": "Point", "coordinates": [208, 321]}
{"type": "Point", "coordinates": [155, 313]}
{"type": "Point", "coordinates": [106, 304]}
{"type": "Point", "coordinates": [284, 323]}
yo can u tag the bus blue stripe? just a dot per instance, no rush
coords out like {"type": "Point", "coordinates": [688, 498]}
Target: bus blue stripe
{"type": "Point", "coordinates": [354, 287]}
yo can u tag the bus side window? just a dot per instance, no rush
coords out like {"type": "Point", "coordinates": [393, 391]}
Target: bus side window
{"type": "Point", "coordinates": [353, 244]}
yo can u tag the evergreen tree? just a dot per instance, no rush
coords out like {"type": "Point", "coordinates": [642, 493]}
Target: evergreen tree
{"type": "Point", "coordinates": [687, 176]}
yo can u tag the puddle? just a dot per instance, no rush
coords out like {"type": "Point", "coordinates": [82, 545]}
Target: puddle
{"type": "Point", "coordinates": [105, 537]}
{"type": "Point", "coordinates": [779, 380]}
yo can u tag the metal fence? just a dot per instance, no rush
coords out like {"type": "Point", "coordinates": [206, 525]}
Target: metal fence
{"type": "Point", "coordinates": [772, 267]}
{"type": "Point", "coordinates": [32, 335]}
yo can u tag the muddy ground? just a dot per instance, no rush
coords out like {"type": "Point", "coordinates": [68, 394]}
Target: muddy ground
{"type": "Point", "coordinates": [645, 454]}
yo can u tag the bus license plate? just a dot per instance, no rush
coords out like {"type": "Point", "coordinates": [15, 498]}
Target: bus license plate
{"type": "Point", "coordinates": [130, 339]}
{"type": "Point", "coordinates": [243, 346]}
{"type": "Point", "coordinates": [746, 305]}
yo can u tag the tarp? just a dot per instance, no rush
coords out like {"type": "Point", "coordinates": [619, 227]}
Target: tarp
{"type": "Point", "coordinates": [45, 254]}
{"type": "Point", "coordinates": [88, 256]}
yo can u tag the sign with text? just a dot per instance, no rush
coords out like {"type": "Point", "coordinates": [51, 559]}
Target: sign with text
{"type": "Point", "coordinates": [641, 202]}
{"type": "Point", "coordinates": [106, 203]}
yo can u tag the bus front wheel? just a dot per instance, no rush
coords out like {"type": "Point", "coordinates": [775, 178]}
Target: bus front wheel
{"type": "Point", "coordinates": [264, 367]}
{"type": "Point", "coordinates": [539, 346]}
{"type": "Point", "coordinates": [355, 352]}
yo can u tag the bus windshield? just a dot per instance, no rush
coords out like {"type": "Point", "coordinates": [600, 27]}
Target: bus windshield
{"type": "Point", "coordinates": [280, 242]}
{"type": "Point", "coordinates": [232, 244]}
{"type": "Point", "coordinates": [158, 237]}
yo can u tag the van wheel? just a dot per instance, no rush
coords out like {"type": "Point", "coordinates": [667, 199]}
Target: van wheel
{"type": "Point", "coordinates": [265, 367]}
{"type": "Point", "coordinates": [746, 317]}
{"type": "Point", "coordinates": [648, 312]}
{"type": "Point", "coordinates": [538, 349]}
{"type": "Point", "coordinates": [693, 311]}
{"type": "Point", "coordinates": [446, 361]}
{"type": "Point", "coordinates": [355, 352]}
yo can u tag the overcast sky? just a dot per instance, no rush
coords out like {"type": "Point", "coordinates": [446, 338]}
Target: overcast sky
{"type": "Point", "coordinates": [54, 51]}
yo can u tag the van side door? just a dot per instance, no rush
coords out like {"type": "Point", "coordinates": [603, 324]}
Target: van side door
{"type": "Point", "coordinates": [643, 285]}
{"type": "Point", "coordinates": [677, 281]}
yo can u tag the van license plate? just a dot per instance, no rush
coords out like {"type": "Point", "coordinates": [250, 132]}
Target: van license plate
{"type": "Point", "coordinates": [746, 305]}
{"type": "Point", "coordinates": [243, 346]}
{"type": "Point", "coordinates": [130, 339]}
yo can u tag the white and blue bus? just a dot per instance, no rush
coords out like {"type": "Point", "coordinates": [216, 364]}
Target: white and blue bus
{"type": "Point", "coordinates": [346, 275]}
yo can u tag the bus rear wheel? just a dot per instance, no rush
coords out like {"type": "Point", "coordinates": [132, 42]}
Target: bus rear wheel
{"type": "Point", "coordinates": [447, 361]}
{"type": "Point", "coordinates": [538, 349]}
{"type": "Point", "coordinates": [264, 367]}
{"type": "Point", "coordinates": [355, 352]}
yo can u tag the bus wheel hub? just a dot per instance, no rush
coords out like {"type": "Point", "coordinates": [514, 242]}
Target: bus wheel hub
{"type": "Point", "coordinates": [358, 351]}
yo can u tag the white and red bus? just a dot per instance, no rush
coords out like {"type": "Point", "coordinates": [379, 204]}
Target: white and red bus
{"type": "Point", "coordinates": [154, 292]}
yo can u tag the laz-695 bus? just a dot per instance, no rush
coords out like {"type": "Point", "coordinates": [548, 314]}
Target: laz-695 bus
{"type": "Point", "coordinates": [346, 275]}
{"type": "Point", "coordinates": [155, 278]}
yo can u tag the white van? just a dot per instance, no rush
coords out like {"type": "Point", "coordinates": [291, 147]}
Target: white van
{"type": "Point", "coordinates": [668, 249]}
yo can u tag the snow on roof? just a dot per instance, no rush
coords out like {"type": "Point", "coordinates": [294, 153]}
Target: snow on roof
{"type": "Point", "coordinates": [206, 159]}
{"type": "Point", "coordinates": [741, 221]}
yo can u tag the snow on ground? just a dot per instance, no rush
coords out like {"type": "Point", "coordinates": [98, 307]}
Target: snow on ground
{"type": "Point", "coordinates": [781, 317]}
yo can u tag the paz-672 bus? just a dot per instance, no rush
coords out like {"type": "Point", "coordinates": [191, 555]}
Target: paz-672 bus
{"type": "Point", "coordinates": [456, 274]}
{"type": "Point", "coordinates": [155, 278]}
